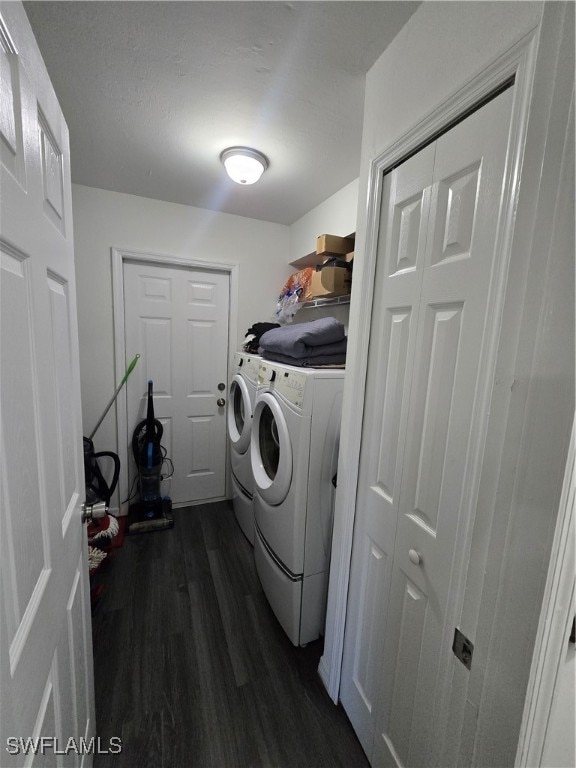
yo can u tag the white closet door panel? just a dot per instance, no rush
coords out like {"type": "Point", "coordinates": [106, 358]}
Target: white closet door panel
{"type": "Point", "coordinates": [433, 502]}
{"type": "Point", "coordinates": [68, 427]}
{"type": "Point", "coordinates": [46, 720]}
{"type": "Point", "coordinates": [27, 552]}
{"type": "Point", "coordinates": [404, 219]}
{"type": "Point", "coordinates": [201, 337]}
{"type": "Point", "coordinates": [155, 341]}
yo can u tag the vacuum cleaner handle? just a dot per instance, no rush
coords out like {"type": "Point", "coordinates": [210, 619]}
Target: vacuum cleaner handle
{"type": "Point", "coordinates": [150, 411]}
{"type": "Point", "coordinates": [116, 460]}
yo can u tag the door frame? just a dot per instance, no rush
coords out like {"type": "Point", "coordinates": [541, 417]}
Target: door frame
{"type": "Point", "coordinates": [554, 625]}
{"type": "Point", "coordinates": [518, 63]}
{"type": "Point", "coordinates": [119, 257]}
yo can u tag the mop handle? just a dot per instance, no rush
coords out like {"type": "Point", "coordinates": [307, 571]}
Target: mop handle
{"type": "Point", "coordinates": [115, 395]}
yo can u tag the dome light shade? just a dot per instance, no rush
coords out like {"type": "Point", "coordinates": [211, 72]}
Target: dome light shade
{"type": "Point", "coordinates": [244, 165]}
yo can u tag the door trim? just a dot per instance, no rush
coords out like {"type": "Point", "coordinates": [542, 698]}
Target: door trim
{"type": "Point", "coordinates": [517, 63]}
{"type": "Point", "coordinates": [119, 257]}
{"type": "Point", "coordinates": [554, 625]}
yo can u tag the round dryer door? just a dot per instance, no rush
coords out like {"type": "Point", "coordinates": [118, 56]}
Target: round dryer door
{"type": "Point", "coordinates": [239, 415]}
{"type": "Point", "coordinates": [271, 451]}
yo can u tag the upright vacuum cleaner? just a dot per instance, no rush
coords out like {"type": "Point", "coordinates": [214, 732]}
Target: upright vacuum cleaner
{"type": "Point", "coordinates": [152, 512]}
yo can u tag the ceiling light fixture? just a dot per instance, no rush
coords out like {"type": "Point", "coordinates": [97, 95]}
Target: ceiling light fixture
{"type": "Point", "coordinates": [244, 165]}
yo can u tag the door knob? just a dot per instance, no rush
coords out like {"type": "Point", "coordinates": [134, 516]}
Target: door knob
{"type": "Point", "coordinates": [93, 511]}
{"type": "Point", "coordinates": [220, 402]}
{"type": "Point", "coordinates": [415, 557]}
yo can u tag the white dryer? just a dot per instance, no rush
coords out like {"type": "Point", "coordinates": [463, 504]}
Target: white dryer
{"type": "Point", "coordinates": [241, 399]}
{"type": "Point", "coordinates": [294, 453]}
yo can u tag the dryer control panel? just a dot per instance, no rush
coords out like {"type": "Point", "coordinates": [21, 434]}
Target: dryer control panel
{"type": "Point", "coordinates": [291, 385]}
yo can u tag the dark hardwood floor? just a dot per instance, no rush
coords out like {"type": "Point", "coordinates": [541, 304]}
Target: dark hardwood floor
{"type": "Point", "coordinates": [191, 667]}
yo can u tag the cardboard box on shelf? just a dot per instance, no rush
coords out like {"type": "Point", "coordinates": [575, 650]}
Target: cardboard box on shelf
{"type": "Point", "coordinates": [330, 282]}
{"type": "Point", "coordinates": [332, 244]}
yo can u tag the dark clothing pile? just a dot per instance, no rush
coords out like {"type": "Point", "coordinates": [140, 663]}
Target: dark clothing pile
{"type": "Point", "coordinates": [319, 343]}
{"type": "Point", "coordinates": [253, 334]}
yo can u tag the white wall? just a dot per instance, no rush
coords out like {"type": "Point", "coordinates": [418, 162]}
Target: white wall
{"type": "Point", "coordinates": [103, 220]}
{"type": "Point", "coordinates": [335, 216]}
{"type": "Point", "coordinates": [442, 47]}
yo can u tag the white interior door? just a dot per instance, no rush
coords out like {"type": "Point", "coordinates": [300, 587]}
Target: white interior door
{"type": "Point", "coordinates": [45, 631]}
{"type": "Point", "coordinates": [435, 272]}
{"type": "Point", "coordinates": [177, 320]}
{"type": "Point", "coordinates": [403, 229]}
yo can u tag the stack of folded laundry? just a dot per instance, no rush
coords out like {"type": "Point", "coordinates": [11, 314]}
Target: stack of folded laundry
{"type": "Point", "coordinates": [319, 343]}
{"type": "Point", "coordinates": [252, 338]}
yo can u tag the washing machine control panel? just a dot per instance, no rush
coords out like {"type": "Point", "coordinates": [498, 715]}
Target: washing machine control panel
{"type": "Point", "coordinates": [291, 385]}
{"type": "Point", "coordinates": [251, 367]}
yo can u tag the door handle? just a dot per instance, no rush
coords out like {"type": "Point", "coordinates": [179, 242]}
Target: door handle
{"type": "Point", "coordinates": [94, 511]}
{"type": "Point", "coordinates": [415, 557]}
{"type": "Point", "coordinates": [220, 402]}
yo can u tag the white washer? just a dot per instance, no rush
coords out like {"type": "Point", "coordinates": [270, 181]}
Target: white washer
{"type": "Point", "coordinates": [294, 454]}
{"type": "Point", "coordinates": [241, 399]}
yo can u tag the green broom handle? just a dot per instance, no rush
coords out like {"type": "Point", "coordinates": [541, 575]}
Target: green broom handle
{"type": "Point", "coordinates": [128, 372]}
{"type": "Point", "coordinates": [115, 395]}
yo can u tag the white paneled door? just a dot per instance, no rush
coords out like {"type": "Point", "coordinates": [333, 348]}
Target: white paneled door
{"type": "Point", "coordinates": [45, 630]}
{"type": "Point", "coordinates": [176, 318]}
{"type": "Point", "coordinates": [431, 320]}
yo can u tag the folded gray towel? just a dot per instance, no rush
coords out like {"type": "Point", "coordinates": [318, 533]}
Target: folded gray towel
{"type": "Point", "coordinates": [307, 362]}
{"type": "Point", "coordinates": [301, 339]}
{"type": "Point", "coordinates": [336, 348]}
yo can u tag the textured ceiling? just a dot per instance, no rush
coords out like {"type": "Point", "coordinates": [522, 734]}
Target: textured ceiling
{"type": "Point", "coordinates": [154, 91]}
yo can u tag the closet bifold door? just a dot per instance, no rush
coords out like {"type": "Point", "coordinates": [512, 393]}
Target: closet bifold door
{"type": "Point", "coordinates": [403, 226]}
{"type": "Point", "coordinates": [431, 321]}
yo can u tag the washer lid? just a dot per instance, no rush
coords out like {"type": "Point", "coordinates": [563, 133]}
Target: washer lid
{"type": "Point", "coordinates": [271, 450]}
{"type": "Point", "coordinates": [239, 415]}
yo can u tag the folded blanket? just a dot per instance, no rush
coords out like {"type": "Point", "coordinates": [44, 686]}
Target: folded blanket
{"type": "Point", "coordinates": [336, 348]}
{"type": "Point", "coordinates": [301, 339]}
{"type": "Point", "coordinates": [318, 361]}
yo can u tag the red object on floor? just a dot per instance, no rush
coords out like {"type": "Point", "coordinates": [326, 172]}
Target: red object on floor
{"type": "Point", "coordinates": [118, 540]}
{"type": "Point", "coordinates": [100, 526]}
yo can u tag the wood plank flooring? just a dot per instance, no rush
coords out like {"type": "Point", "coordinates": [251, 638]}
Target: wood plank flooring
{"type": "Point", "coordinates": [192, 669]}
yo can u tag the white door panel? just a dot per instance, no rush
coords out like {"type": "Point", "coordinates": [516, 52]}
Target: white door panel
{"type": "Point", "coordinates": [45, 643]}
{"type": "Point", "coordinates": [403, 224]}
{"type": "Point", "coordinates": [428, 327]}
{"type": "Point", "coordinates": [177, 320]}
